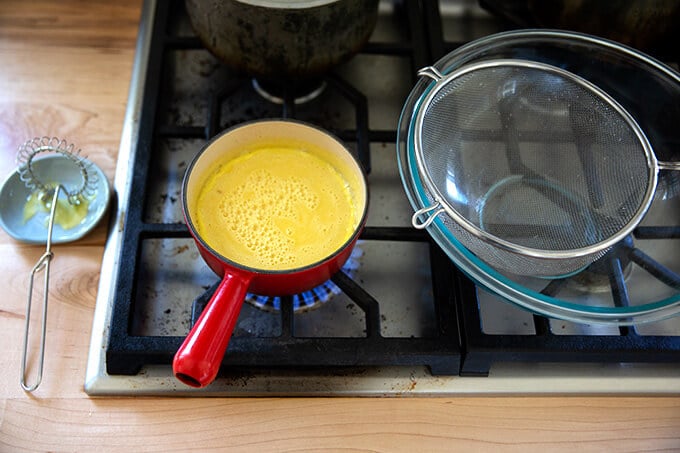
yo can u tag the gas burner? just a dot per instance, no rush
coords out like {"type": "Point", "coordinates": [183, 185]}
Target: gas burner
{"type": "Point", "coordinates": [313, 298]}
{"type": "Point", "coordinates": [596, 278]}
{"type": "Point", "coordinates": [300, 93]}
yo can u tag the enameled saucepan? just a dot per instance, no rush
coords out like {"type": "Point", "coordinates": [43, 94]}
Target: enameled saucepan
{"type": "Point", "coordinates": [198, 360]}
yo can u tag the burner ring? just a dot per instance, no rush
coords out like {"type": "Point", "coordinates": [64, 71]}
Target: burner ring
{"type": "Point", "coordinates": [314, 298]}
{"type": "Point", "coordinates": [302, 94]}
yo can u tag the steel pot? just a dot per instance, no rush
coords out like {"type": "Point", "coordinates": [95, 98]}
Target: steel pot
{"type": "Point", "coordinates": [276, 39]}
{"type": "Point", "coordinates": [197, 361]}
{"type": "Point", "coordinates": [648, 25]}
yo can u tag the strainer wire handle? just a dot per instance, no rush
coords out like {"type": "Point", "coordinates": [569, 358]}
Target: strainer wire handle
{"type": "Point", "coordinates": [431, 211]}
{"type": "Point", "coordinates": [431, 72]}
{"type": "Point", "coordinates": [43, 263]}
{"type": "Point", "coordinates": [665, 165]}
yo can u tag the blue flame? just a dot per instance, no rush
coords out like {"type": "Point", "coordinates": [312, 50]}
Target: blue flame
{"type": "Point", "coordinates": [313, 298]}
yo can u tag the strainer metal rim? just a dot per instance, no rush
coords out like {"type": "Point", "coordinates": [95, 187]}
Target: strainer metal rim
{"type": "Point", "coordinates": [440, 200]}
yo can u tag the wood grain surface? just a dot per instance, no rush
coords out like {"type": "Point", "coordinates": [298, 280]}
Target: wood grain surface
{"type": "Point", "coordinates": [64, 71]}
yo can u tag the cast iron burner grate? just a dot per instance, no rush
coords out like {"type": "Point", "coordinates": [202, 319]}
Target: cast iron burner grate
{"type": "Point", "coordinates": [127, 353]}
{"type": "Point", "coordinates": [440, 354]}
{"type": "Point", "coordinates": [458, 344]}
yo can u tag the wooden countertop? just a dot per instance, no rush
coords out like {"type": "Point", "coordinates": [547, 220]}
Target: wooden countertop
{"type": "Point", "coordinates": [64, 71]}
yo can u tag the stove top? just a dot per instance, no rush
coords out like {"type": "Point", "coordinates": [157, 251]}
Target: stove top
{"type": "Point", "coordinates": [399, 319]}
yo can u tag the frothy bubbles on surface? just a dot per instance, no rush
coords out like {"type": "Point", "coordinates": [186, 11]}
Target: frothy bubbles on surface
{"type": "Point", "coordinates": [276, 208]}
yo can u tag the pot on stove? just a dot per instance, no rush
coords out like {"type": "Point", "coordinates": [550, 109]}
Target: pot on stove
{"type": "Point", "coordinates": [650, 26]}
{"type": "Point", "coordinates": [275, 208]}
{"type": "Point", "coordinates": [275, 39]}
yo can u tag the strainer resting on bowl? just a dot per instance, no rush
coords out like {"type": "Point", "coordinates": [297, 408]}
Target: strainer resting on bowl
{"type": "Point", "coordinates": [540, 171]}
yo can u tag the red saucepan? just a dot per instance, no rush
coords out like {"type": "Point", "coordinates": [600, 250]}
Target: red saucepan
{"type": "Point", "coordinates": [284, 185]}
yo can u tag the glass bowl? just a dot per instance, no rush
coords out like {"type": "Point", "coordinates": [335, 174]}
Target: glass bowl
{"type": "Point", "coordinates": [643, 283]}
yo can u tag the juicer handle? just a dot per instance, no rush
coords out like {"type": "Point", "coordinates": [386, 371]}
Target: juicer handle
{"type": "Point", "coordinates": [198, 359]}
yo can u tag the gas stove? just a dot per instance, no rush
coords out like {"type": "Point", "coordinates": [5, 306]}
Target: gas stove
{"type": "Point", "coordinates": [399, 319]}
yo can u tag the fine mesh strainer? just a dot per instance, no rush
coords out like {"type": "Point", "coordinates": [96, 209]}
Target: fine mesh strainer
{"type": "Point", "coordinates": [539, 171]}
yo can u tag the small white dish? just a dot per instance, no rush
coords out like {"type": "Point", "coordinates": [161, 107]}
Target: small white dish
{"type": "Point", "coordinates": [14, 195]}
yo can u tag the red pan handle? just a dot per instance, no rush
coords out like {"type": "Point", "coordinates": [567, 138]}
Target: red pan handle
{"type": "Point", "coordinates": [198, 360]}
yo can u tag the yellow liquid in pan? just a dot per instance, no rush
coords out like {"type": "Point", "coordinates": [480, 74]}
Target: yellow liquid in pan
{"type": "Point", "coordinates": [276, 209]}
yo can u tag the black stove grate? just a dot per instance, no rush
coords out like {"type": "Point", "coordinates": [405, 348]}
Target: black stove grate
{"type": "Point", "coordinates": [127, 353]}
{"type": "Point", "coordinates": [460, 345]}
{"type": "Point", "coordinates": [441, 354]}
